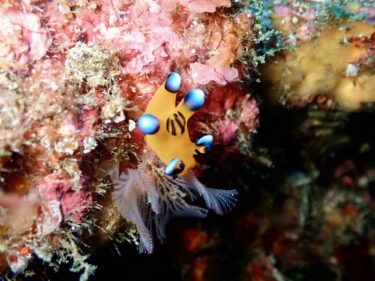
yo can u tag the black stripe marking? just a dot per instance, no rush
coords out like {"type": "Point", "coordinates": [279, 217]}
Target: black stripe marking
{"type": "Point", "coordinates": [173, 128]}
{"type": "Point", "coordinates": [171, 125]}
{"type": "Point", "coordinates": [180, 124]}
{"type": "Point", "coordinates": [168, 125]}
{"type": "Point", "coordinates": [182, 117]}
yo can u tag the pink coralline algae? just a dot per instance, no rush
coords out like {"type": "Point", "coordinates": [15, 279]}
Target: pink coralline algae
{"type": "Point", "coordinates": [249, 114]}
{"type": "Point", "coordinates": [228, 113]}
{"type": "Point", "coordinates": [300, 24]}
{"type": "Point", "coordinates": [150, 38]}
{"type": "Point", "coordinates": [61, 189]}
{"type": "Point", "coordinates": [202, 6]}
{"type": "Point", "coordinates": [226, 131]}
{"type": "Point", "coordinates": [74, 78]}
{"type": "Point", "coordinates": [224, 48]}
{"type": "Point", "coordinates": [23, 39]}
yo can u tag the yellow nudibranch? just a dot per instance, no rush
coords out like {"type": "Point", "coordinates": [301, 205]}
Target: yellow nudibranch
{"type": "Point", "coordinates": [165, 126]}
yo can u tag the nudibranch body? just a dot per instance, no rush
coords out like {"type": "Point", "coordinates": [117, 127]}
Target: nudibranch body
{"type": "Point", "coordinates": [165, 126]}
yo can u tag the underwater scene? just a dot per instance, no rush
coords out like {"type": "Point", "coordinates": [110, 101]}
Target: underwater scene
{"type": "Point", "coordinates": [192, 140]}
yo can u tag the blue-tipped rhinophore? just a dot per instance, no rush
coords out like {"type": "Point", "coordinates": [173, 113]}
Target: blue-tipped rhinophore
{"type": "Point", "coordinates": [194, 99]}
{"type": "Point", "coordinates": [148, 124]}
{"type": "Point", "coordinates": [206, 141]}
{"type": "Point", "coordinates": [173, 82]}
{"type": "Point", "coordinates": [174, 167]}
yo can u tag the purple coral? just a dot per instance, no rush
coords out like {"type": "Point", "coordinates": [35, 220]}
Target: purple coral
{"type": "Point", "coordinates": [149, 198]}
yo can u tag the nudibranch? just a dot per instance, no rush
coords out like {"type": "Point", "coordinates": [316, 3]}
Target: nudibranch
{"type": "Point", "coordinates": [165, 126]}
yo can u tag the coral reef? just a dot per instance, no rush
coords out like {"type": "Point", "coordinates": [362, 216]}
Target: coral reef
{"type": "Point", "coordinates": [74, 78]}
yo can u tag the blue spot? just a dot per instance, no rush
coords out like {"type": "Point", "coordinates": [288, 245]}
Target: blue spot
{"type": "Point", "coordinates": [181, 166]}
{"type": "Point", "coordinates": [148, 124]}
{"type": "Point", "coordinates": [206, 141]}
{"type": "Point", "coordinates": [194, 99]}
{"type": "Point", "coordinates": [174, 167]}
{"type": "Point", "coordinates": [173, 82]}
{"type": "Point", "coordinates": [171, 167]}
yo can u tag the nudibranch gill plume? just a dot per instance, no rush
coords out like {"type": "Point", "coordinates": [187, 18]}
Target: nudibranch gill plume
{"type": "Point", "coordinates": [165, 126]}
{"type": "Point", "coordinates": [149, 195]}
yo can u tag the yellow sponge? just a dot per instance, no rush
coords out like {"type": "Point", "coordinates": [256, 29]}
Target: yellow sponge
{"type": "Point", "coordinates": [329, 65]}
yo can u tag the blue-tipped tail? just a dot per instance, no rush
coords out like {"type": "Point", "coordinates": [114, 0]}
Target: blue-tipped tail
{"type": "Point", "coordinates": [148, 124]}
{"type": "Point", "coordinates": [173, 82]}
{"type": "Point", "coordinates": [174, 167]}
{"type": "Point", "coordinates": [206, 141]}
{"type": "Point", "coordinates": [194, 99]}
